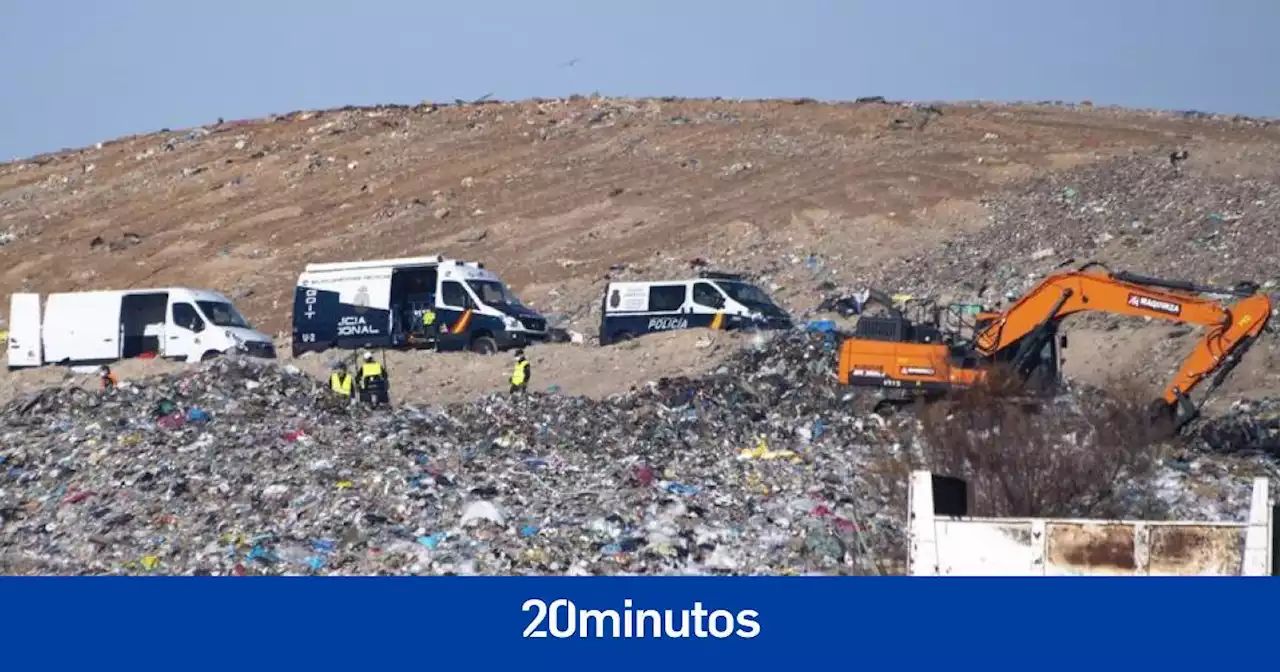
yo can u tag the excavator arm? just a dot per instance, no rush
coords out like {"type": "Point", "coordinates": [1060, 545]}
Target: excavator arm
{"type": "Point", "coordinates": [1229, 330]}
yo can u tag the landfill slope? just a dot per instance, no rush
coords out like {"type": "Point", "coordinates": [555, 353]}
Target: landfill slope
{"type": "Point", "coordinates": [240, 468]}
{"type": "Point", "coordinates": [1209, 219]}
{"type": "Point", "coordinates": [559, 195]}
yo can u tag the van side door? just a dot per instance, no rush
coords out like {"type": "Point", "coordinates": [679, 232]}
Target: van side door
{"type": "Point", "coordinates": [455, 302]}
{"type": "Point", "coordinates": [26, 345]}
{"type": "Point", "coordinates": [708, 305]}
{"type": "Point", "coordinates": [707, 296]}
{"type": "Point", "coordinates": [183, 333]}
{"type": "Point", "coordinates": [668, 306]}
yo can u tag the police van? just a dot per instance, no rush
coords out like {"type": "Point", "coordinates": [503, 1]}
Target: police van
{"type": "Point", "coordinates": [381, 304]}
{"type": "Point", "coordinates": [713, 300]}
{"type": "Point", "coordinates": [100, 327]}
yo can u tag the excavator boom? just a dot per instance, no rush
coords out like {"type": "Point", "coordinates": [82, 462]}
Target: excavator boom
{"type": "Point", "coordinates": [907, 358]}
{"type": "Point", "coordinates": [1229, 330]}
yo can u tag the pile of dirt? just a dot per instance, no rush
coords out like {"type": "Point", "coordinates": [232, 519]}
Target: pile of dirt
{"type": "Point", "coordinates": [555, 195]}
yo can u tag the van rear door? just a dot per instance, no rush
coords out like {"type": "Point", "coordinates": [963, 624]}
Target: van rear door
{"type": "Point", "coordinates": [24, 330]}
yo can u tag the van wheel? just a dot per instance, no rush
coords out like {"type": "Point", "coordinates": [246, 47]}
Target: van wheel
{"type": "Point", "coordinates": [623, 337]}
{"type": "Point", "coordinates": [484, 345]}
{"type": "Point", "coordinates": [210, 355]}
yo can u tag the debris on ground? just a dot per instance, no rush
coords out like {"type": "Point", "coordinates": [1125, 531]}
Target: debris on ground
{"type": "Point", "coordinates": [1248, 427]}
{"type": "Point", "coordinates": [1138, 213]}
{"type": "Point", "coordinates": [241, 467]}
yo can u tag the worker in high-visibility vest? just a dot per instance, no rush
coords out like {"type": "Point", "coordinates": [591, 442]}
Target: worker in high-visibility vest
{"type": "Point", "coordinates": [340, 380]}
{"type": "Point", "coordinates": [430, 332]}
{"type": "Point", "coordinates": [520, 374]}
{"type": "Point", "coordinates": [372, 381]}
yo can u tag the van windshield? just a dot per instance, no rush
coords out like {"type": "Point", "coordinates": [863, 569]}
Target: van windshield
{"type": "Point", "coordinates": [747, 294]}
{"type": "Point", "coordinates": [493, 293]}
{"type": "Point", "coordinates": [222, 314]}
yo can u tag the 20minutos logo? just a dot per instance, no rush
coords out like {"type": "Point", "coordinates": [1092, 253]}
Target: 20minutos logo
{"type": "Point", "coordinates": [562, 619]}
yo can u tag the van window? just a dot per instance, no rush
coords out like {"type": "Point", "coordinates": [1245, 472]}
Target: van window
{"type": "Point", "coordinates": [223, 314]}
{"type": "Point", "coordinates": [454, 295]}
{"type": "Point", "coordinates": [747, 294]}
{"type": "Point", "coordinates": [666, 297]}
{"type": "Point", "coordinates": [706, 294]}
{"type": "Point", "coordinates": [493, 293]}
{"type": "Point", "coordinates": [185, 316]}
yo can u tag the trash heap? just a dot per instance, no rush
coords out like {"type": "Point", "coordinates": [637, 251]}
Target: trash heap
{"type": "Point", "coordinates": [1248, 427]}
{"type": "Point", "coordinates": [1137, 213]}
{"type": "Point", "coordinates": [243, 467]}
{"type": "Point", "coordinates": [246, 467]}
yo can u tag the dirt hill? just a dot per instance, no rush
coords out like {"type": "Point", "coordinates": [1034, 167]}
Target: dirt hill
{"type": "Point", "coordinates": [555, 195]}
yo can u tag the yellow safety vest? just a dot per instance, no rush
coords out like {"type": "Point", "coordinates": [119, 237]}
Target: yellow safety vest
{"type": "Point", "coordinates": [518, 375]}
{"type": "Point", "coordinates": [340, 383]}
{"type": "Point", "coordinates": [429, 318]}
{"type": "Point", "coordinates": [370, 370]}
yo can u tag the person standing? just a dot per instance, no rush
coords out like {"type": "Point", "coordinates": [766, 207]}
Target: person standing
{"type": "Point", "coordinates": [340, 380]}
{"type": "Point", "coordinates": [430, 333]}
{"type": "Point", "coordinates": [372, 381]}
{"type": "Point", "coordinates": [109, 380]}
{"type": "Point", "coordinates": [520, 374]}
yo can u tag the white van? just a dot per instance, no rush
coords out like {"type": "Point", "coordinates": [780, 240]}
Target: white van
{"type": "Point", "coordinates": [81, 328]}
{"type": "Point", "coordinates": [713, 300]}
{"type": "Point", "coordinates": [380, 304]}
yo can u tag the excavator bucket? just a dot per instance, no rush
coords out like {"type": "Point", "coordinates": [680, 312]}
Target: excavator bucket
{"type": "Point", "coordinates": [1169, 419]}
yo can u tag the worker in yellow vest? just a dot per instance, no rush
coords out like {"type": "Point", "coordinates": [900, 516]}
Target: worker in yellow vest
{"type": "Point", "coordinates": [430, 333]}
{"type": "Point", "coordinates": [372, 381]}
{"type": "Point", "coordinates": [520, 375]}
{"type": "Point", "coordinates": [340, 380]}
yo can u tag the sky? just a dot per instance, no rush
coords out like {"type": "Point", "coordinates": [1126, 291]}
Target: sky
{"type": "Point", "coordinates": [75, 72]}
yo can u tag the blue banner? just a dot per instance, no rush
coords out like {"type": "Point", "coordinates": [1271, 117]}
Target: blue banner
{"type": "Point", "coordinates": [682, 623]}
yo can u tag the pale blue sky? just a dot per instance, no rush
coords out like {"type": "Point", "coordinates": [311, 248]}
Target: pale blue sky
{"type": "Point", "coordinates": [79, 71]}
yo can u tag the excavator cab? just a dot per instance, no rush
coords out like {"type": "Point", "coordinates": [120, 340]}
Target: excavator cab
{"type": "Point", "coordinates": [925, 353]}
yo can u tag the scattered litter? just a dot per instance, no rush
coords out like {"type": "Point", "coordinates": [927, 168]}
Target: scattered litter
{"type": "Point", "coordinates": [206, 475]}
{"type": "Point", "coordinates": [757, 468]}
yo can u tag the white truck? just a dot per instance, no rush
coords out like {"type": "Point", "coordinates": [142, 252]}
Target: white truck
{"type": "Point", "coordinates": [82, 328]}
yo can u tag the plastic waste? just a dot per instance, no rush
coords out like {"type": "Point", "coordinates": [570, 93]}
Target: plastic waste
{"type": "Point", "coordinates": [684, 475]}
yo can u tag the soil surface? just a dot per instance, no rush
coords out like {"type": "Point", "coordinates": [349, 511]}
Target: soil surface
{"type": "Point", "coordinates": [558, 195]}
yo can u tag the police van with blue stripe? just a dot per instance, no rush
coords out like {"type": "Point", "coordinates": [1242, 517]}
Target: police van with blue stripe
{"type": "Point", "coordinates": [382, 304]}
{"type": "Point", "coordinates": [713, 300]}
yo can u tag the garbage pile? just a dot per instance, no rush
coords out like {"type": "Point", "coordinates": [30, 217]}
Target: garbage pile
{"type": "Point", "coordinates": [1138, 213]}
{"type": "Point", "coordinates": [246, 467]}
{"type": "Point", "coordinates": [1248, 427]}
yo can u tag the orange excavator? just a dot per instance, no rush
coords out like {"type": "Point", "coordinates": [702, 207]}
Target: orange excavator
{"type": "Point", "coordinates": [928, 357]}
